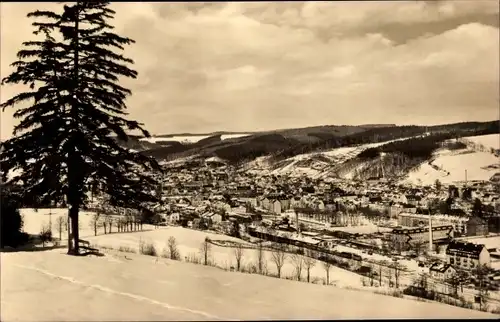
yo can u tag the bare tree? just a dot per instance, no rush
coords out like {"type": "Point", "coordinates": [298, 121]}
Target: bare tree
{"type": "Point", "coordinates": [418, 247]}
{"type": "Point", "coordinates": [59, 223]}
{"type": "Point", "coordinates": [130, 221]}
{"type": "Point", "coordinates": [454, 282]}
{"type": "Point", "coordinates": [123, 224]}
{"type": "Point", "coordinates": [94, 222]}
{"type": "Point", "coordinates": [45, 234]}
{"type": "Point", "coordinates": [205, 250]}
{"type": "Point", "coordinates": [309, 263]}
{"type": "Point", "coordinates": [481, 275]}
{"type": "Point", "coordinates": [327, 266]}
{"type": "Point", "coordinates": [108, 220]}
{"type": "Point", "coordinates": [422, 281]}
{"type": "Point", "coordinates": [395, 245]}
{"type": "Point", "coordinates": [138, 218]}
{"type": "Point", "coordinates": [119, 225]}
{"type": "Point", "coordinates": [371, 274]}
{"type": "Point", "coordinates": [298, 263]}
{"type": "Point", "coordinates": [278, 256]}
{"type": "Point", "coordinates": [172, 249]}
{"type": "Point", "coordinates": [238, 255]}
{"type": "Point", "coordinates": [381, 268]}
{"type": "Point", "coordinates": [396, 269]}
{"type": "Point", "coordinates": [104, 224]}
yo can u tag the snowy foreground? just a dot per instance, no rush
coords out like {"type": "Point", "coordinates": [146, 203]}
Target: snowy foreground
{"type": "Point", "coordinates": [52, 286]}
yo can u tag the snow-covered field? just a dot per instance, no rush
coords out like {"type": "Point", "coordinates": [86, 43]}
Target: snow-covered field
{"type": "Point", "coordinates": [188, 240]}
{"type": "Point", "coordinates": [190, 138]}
{"type": "Point", "coordinates": [488, 141]}
{"type": "Point", "coordinates": [232, 136]}
{"type": "Point", "coordinates": [365, 229]}
{"type": "Point", "coordinates": [480, 165]}
{"type": "Point", "coordinates": [51, 286]}
{"type": "Point", "coordinates": [477, 165]}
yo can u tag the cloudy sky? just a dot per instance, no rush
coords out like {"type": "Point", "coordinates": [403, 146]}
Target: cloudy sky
{"type": "Point", "coordinates": [256, 66]}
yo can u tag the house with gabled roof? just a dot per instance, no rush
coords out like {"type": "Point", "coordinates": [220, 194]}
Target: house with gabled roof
{"type": "Point", "coordinates": [441, 271]}
{"type": "Point", "coordinates": [464, 255]}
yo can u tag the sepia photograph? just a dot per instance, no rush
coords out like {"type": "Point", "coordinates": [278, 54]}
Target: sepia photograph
{"type": "Point", "coordinates": [252, 160]}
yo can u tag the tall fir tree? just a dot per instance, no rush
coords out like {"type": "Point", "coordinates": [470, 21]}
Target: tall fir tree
{"type": "Point", "coordinates": [75, 115]}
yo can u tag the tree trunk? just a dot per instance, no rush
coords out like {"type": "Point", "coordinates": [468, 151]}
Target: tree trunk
{"type": "Point", "coordinates": [74, 229]}
{"type": "Point", "coordinates": [73, 157]}
{"type": "Point", "coordinates": [308, 276]}
{"type": "Point", "coordinates": [68, 228]}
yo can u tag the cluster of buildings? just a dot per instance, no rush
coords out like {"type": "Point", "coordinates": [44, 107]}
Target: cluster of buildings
{"type": "Point", "coordinates": [218, 196]}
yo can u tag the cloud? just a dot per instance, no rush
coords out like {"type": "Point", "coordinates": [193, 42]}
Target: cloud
{"type": "Point", "coordinates": [253, 65]}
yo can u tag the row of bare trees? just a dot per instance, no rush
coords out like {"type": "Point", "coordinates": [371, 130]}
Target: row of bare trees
{"type": "Point", "coordinates": [123, 223]}
{"type": "Point", "coordinates": [344, 216]}
{"type": "Point", "coordinates": [279, 254]}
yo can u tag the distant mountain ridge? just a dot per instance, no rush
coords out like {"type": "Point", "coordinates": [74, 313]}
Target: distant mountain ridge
{"type": "Point", "coordinates": [285, 143]}
{"type": "Point", "coordinates": [200, 134]}
{"type": "Point", "coordinates": [265, 131]}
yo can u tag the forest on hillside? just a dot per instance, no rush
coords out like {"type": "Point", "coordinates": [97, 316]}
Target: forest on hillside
{"type": "Point", "coordinates": [423, 147]}
{"type": "Point", "coordinates": [284, 144]}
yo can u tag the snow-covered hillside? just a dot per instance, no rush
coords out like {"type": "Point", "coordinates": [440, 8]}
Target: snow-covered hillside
{"type": "Point", "coordinates": [190, 138]}
{"type": "Point", "coordinates": [491, 141]}
{"type": "Point", "coordinates": [314, 165]}
{"type": "Point", "coordinates": [51, 286]}
{"type": "Point", "coordinates": [451, 166]}
{"type": "Point", "coordinates": [189, 242]}
{"type": "Point", "coordinates": [478, 158]}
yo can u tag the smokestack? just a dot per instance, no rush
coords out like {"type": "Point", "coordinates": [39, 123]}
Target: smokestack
{"type": "Point", "coordinates": [465, 177]}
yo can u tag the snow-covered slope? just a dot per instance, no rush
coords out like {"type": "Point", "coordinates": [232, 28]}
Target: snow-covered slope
{"type": "Point", "coordinates": [191, 138]}
{"type": "Point", "coordinates": [314, 165]}
{"type": "Point", "coordinates": [491, 141]}
{"type": "Point", "coordinates": [478, 158]}
{"type": "Point", "coordinates": [451, 166]}
{"type": "Point", "coordinates": [189, 242]}
{"type": "Point", "coordinates": [51, 286]}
